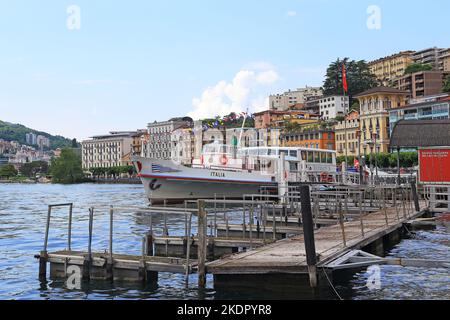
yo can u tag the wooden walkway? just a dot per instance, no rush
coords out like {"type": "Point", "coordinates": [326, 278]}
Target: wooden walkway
{"type": "Point", "coordinates": [289, 256]}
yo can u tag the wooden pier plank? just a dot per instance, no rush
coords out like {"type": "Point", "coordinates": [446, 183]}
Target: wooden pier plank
{"type": "Point", "coordinates": [289, 256]}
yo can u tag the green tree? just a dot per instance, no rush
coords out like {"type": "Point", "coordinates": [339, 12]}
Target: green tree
{"type": "Point", "coordinates": [359, 77]}
{"type": "Point", "coordinates": [67, 168]}
{"type": "Point", "coordinates": [417, 67]}
{"type": "Point", "coordinates": [32, 168]}
{"type": "Point", "coordinates": [446, 87]}
{"type": "Point", "coordinates": [8, 171]}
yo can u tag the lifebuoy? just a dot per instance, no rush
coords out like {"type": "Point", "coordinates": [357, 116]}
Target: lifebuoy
{"type": "Point", "coordinates": [224, 160]}
{"type": "Point", "coordinates": [324, 177]}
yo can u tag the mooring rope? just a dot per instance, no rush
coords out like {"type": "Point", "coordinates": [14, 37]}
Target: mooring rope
{"type": "Point", "coordinates": [331, 284]}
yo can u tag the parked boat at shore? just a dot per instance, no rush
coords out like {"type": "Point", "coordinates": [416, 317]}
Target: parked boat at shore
{"type": "Point", "coordinates": [232, 171]}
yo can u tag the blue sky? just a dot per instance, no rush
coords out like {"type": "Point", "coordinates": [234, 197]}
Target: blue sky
{"type": "Point", "coordinates": [136, 61]}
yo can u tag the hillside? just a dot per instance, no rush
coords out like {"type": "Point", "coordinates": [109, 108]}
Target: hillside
{"type": "Point", "coordinates": [17, 132]}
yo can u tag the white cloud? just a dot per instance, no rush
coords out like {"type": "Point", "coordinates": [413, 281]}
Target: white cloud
{"type": "Point", "coordinates": [291, 13]}
{"type": "Point", "coordinates": [249, 88]}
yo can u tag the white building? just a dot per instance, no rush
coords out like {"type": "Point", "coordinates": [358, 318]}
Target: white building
{"type": "Point", "coordinates": [42, 142]}
{"type": "Point", "coordinates": [333, 106]}
{"type": "Point", "coordinates": [159, 144]}
{"type": "Point", "coordinates": [183, 145]}
{"type": "Point", "coordinates": [288, 99]}
{"type": "Point", "coordinates": [31, 138]}
{"type": "Point", "coordinates": [107, 151]}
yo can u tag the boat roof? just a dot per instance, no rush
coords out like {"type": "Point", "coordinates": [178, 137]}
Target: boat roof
{"type": "Point", "coordinates": [290, 148]}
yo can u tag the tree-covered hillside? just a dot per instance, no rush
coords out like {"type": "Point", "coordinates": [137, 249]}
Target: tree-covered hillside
{"type": "Point", "coordinates": [17, 132]}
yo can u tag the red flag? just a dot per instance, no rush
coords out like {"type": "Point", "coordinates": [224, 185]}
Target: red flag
{"type": "Point", "coordinates": [344, 78]}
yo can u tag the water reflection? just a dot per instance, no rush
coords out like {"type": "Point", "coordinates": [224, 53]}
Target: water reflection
{"type": "Point", "coordinates": [23, 210]}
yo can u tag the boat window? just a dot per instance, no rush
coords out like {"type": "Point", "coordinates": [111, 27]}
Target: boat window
{"type": "Point", "coordinates": [304, 155]}
{"type": "Point", "coordinates": [329, 158]}
{"type": "Point", "coordinates": [293, 166]}
{"type": "Point", "coordinates": [310, 156]}
{"type": "Point", "coordinates": [269, 152]}
{"type": "Point", "coordinates": [293, 153]}
{"type": "Point", "coordinates": [285, 152]}
{"type": "Point", "coordinates": [317, 157]}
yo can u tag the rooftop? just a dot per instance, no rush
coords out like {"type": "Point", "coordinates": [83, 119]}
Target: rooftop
{"type": "Point", "coordinates": [421, 133]}
{"type": "Point", "coordinates": [381, 90]}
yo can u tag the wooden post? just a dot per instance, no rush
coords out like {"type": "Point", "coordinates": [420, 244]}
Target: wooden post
{"type": "Point", "coordinates": [188, 249]}
{"type": "Point", "coordinates": [361, 213]}
{"type": "Point", "coordinates": [110, 261]}
{"type": "Point", "coordinates": [415, 196]}
{"type": "Point", "coordinates": [142, 268]}
{"type": "Point", "coordinates": [308, 235]}
{"type": "Point", "coordinates": [69, 231]}
{"type": "Point", "coordinates": [88, 258]}
{"type": "Point", "coordinates": [398, 167]}
{"type": "Point", "coordinates": [202, 243]}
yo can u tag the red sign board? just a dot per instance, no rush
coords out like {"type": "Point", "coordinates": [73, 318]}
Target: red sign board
{"type": "Point", "coordinates": [434, 166]}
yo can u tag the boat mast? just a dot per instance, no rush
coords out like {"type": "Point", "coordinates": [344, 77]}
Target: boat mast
{"type": "Point", "coordinates": [242, 129]}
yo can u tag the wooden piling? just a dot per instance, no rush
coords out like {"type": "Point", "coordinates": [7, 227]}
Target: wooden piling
{"type": "Point", "coordinates": [69, 231]}
{"type": "Point", "coordinates": [88, 258]}
{"type": "Point", "coordinates": [202, 243]}
{"type": "Point", "coordinates": [110, 261]}
{"type": "Point", "coordinates": [415, 196]}
{"type": "Point", "coordinates": [308, 234]}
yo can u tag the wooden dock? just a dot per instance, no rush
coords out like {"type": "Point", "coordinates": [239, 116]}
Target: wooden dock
{"type": "Point", "coordinates": [288, 256]}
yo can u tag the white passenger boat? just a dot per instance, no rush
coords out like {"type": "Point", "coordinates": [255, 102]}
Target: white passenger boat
{"type": "Point", "coordinates": [225, 170]}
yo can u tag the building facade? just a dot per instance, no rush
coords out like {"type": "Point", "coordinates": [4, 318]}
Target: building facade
{"type": "Point", "coordinates": [388, 68]}
{"type": "Point", "coordinates": [433, 108]}
{"type": "Point", "coordinates": [107, 151]}
{"type": "Point", "coordinates": [288, 99]}
{"type": "Point", "coordinates": [315, 138]}
{"type": "Point", "coordinates": [428, 56]}
{"type": "Point", "coordinates": [375, 105]}
{"type": "Point", "coordinates": [444, 60]}
{"type": "Point", "coordinates": [278, 119]}
{"type": "Point", "coordinates": [183, 145]}
{"type": "Point", "coordinates": [333, 106]}
{"type": "Point", "coordinates": [159, 144]}
{"type": "Point", "coordinates": [347, 141]}
{"type": "Point", "coordinates": [421, 84]}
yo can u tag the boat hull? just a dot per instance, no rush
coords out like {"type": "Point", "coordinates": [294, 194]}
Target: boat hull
{"type": "Point", "coordinates": [174, 183]}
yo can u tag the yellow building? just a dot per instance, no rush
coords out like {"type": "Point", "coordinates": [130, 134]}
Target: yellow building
{"type": "Point", "coordinates": [347, 145]}
{"type": "Point", "coordinates": [374, 117]}
{"type": "Point", "coordinates": [389, 68]}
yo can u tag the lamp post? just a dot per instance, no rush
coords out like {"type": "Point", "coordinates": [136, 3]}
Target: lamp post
{"type": "Point", "coordinates": [360, 167]}
{"type": "Point", "coordinates": [374, 139]}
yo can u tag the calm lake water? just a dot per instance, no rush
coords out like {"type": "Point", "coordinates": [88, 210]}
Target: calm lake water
{"type": "Point", "coordinates": [23, 211]}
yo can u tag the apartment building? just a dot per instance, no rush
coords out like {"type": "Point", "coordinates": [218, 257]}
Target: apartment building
{"type": "Point", "coordinates": [375, 105]}
{"type": "Point", "coordinates": [107, 151]}
{"type": "Point", "coordinates": [159, 144]}
{"type": "Point", "coordinates": [331, 107]}
{"type": "Point", "coordinates": [277, 119]}
{"type": "Point", "coordinates": [428, 56]}
{"type": "Point", "coordinates": [388, 68]}
{"type": "Point", "coordinates": [315, 138]}
{"type": "Point", "coordinates": [346, 132]}
{"type": "Point", "coordinates": [421, 84]}
{"type": "Point", "coordinates": [430, 108]}
{"type": "Point", "coordinates": [444, 60]}
{"type": "Point", "coordinates": [288, 99]}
